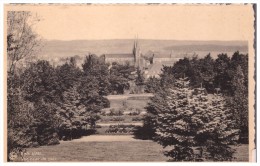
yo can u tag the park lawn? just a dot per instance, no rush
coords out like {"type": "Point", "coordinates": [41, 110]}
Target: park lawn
{"type": "Point", "coordinates": [140, 150]}
{"type": "Point", "coordinates": [99, 151]}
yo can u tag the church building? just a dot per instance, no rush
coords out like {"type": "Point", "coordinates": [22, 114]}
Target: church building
{"type": "Point", "coordinates": [150, 66]}
{"type": "Point", "coordinates": [135, 58]}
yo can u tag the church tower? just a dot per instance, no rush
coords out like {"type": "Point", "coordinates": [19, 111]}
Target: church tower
{"type": "Point", "coordinates": [136, 53]}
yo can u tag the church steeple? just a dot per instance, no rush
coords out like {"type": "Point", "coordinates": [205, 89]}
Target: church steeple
{"type": "Point", "coordinates": [136, 52]}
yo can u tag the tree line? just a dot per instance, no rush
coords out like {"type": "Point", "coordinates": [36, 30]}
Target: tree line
{"type": "Point", "coordinates": [46, 103]}
{"type": "Point", "coordinates": [199, 105]}
{"type": "Point", "coordinates": [215, 75]}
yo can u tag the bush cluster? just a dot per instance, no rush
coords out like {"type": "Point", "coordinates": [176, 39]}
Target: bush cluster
{"type": "Point", "coordinates": [120, 129]}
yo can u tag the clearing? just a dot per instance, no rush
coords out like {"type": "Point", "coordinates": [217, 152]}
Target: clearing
{"type": "Point", "coordinates": [108, 148]}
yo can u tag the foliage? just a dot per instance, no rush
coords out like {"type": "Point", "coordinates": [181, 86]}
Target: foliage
{"type": "Point", "coordinates": [167, 78]}
{"type": "Point", "coordinates": [31, 124]}
{"type": "Point", "coordinates": [239, 60]}
{"type": "Point", "coordinates": [222, 78]}
{"type": "Point", "coordinates": [40, 83]}
{"type": "Point", "coordinates": [90, 97]}
{"type": "Point", "coordinates": [215, 127]}
{"type": "Point", "coordinates": [139, 81]}
{"type": "Point", "coordinates": [137, 119]}
{"type": "Point", "coordinates": [147, 131]}
{"type": "Point", "coordinates": [217, 76]}
{"type": "Point", "coordinates": [117, 112]}
{"type": "Point", "coordinates": [173, 125]}
{"type": "Point", "coordinates": [207, 72]}
{"type": "Point", "coordinates": [22, 41]}
{"type": "Point", "coordinates": [120, 75]}
{"type": "Point", "coordinates": [68, 75]}
{"type": "Point", "coordinates": [152, 85]}
{"type": "Point", "coordinates": [239, 104]}
{"type": "Point", "coordinates": [19, 118]}
{"type": "Point", "coordinates": [121, 129]}
{"type": "Point", "coordinates": [45, 123]}
{"type": "Point", "coordinates": [117, 119]}
{"type": "Point", "coordinates": [96, 68]}
{"type": "Point", "coordinates": [73, 118]}
{"type": "Point", "coordinates": [185, 118]}
{"type": "Point", "coordinates": [46, 104]}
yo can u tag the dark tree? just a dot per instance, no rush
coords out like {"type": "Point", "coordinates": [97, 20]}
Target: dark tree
{"type": "Point", "coordinates": [239, 104]}
{"type": "Point", "coordinates": [68, 76]}
{"type": "Point", "coordinates": [239, 60]}
{"type": "Point", "coordinates": [95, 66]}
{"type": "Point", "coordinates": [222, 78]}
{"type": "Point", "coordinates": [120, 76]}
{"type": "Point", "coordinates": [207, 72]}
{"type": "Point", "coordinates": [167, 78]}
{"type": "Point", "coordinates": [40, 83]}
{"type": "Point", "coordinates": [152, 85]}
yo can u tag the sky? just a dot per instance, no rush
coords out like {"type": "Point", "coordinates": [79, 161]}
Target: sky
{"type": "Point", "coordinates": [171, 22]}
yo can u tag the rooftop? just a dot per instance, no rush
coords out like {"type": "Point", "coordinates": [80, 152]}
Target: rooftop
{"type": "Point", "coordinates": [119, 55]}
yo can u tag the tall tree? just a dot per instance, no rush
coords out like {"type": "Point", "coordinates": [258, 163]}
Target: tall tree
{"type": "Point", "coordinates": [207, 72]}
{"type": "Point", "coordinates": [174, 122]}
{"type": "Point", "coordinates": [222, 79]}
{"type": "Point", "coordinates": [91, 98]}
{"type": "Point", "coordinates": [22, 41]}
{"type": "Point", "coordinates": [215, 128]}
{"type": "Point", "coordinates": [184, 118]}
{"type": "Point", "coordinates": [95, 66]}
{"type": "Point", "coordinates": [241, 60]}
{"type": "Point", "coordinates": [239, 104]}
{"type": "Point", "coordinates": [73, 116]}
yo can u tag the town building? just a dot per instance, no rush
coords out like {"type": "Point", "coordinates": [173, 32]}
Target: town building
{"type": "Point", "coordinates": [151, 65]}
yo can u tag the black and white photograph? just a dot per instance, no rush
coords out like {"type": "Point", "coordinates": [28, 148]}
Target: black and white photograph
{"type": "Point", "coordinates": [129, 82]}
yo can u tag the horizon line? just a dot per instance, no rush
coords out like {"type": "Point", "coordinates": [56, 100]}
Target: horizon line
{"type": "Point", "coordinates": [145, 39]}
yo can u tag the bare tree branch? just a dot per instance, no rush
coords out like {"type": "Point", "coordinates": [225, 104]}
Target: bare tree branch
{"type": "Point", "coordinates": [22, 41]}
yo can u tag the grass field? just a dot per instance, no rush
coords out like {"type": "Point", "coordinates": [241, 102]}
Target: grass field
{"type": "Point", "coordinates": [100, 151]}
{"type": "Point", "coordinates": [104, 148]}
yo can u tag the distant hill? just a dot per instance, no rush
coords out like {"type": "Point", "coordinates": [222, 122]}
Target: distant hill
{"type": "Point", "coordinates": [58, 49]}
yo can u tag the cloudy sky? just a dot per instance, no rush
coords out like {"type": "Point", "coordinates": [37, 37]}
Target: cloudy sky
{"type": "Point", "coordinates": [179, 22]}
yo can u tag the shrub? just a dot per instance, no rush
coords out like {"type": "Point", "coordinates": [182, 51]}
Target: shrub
{"type": "Point", "coordinates": [120, 129]}
{"type": "Point", "coordinates": [137, 119]}
{"type": "Point", "coordinates": [115, 112]}
{"type": "Point", "coordinates": [117, 119]}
